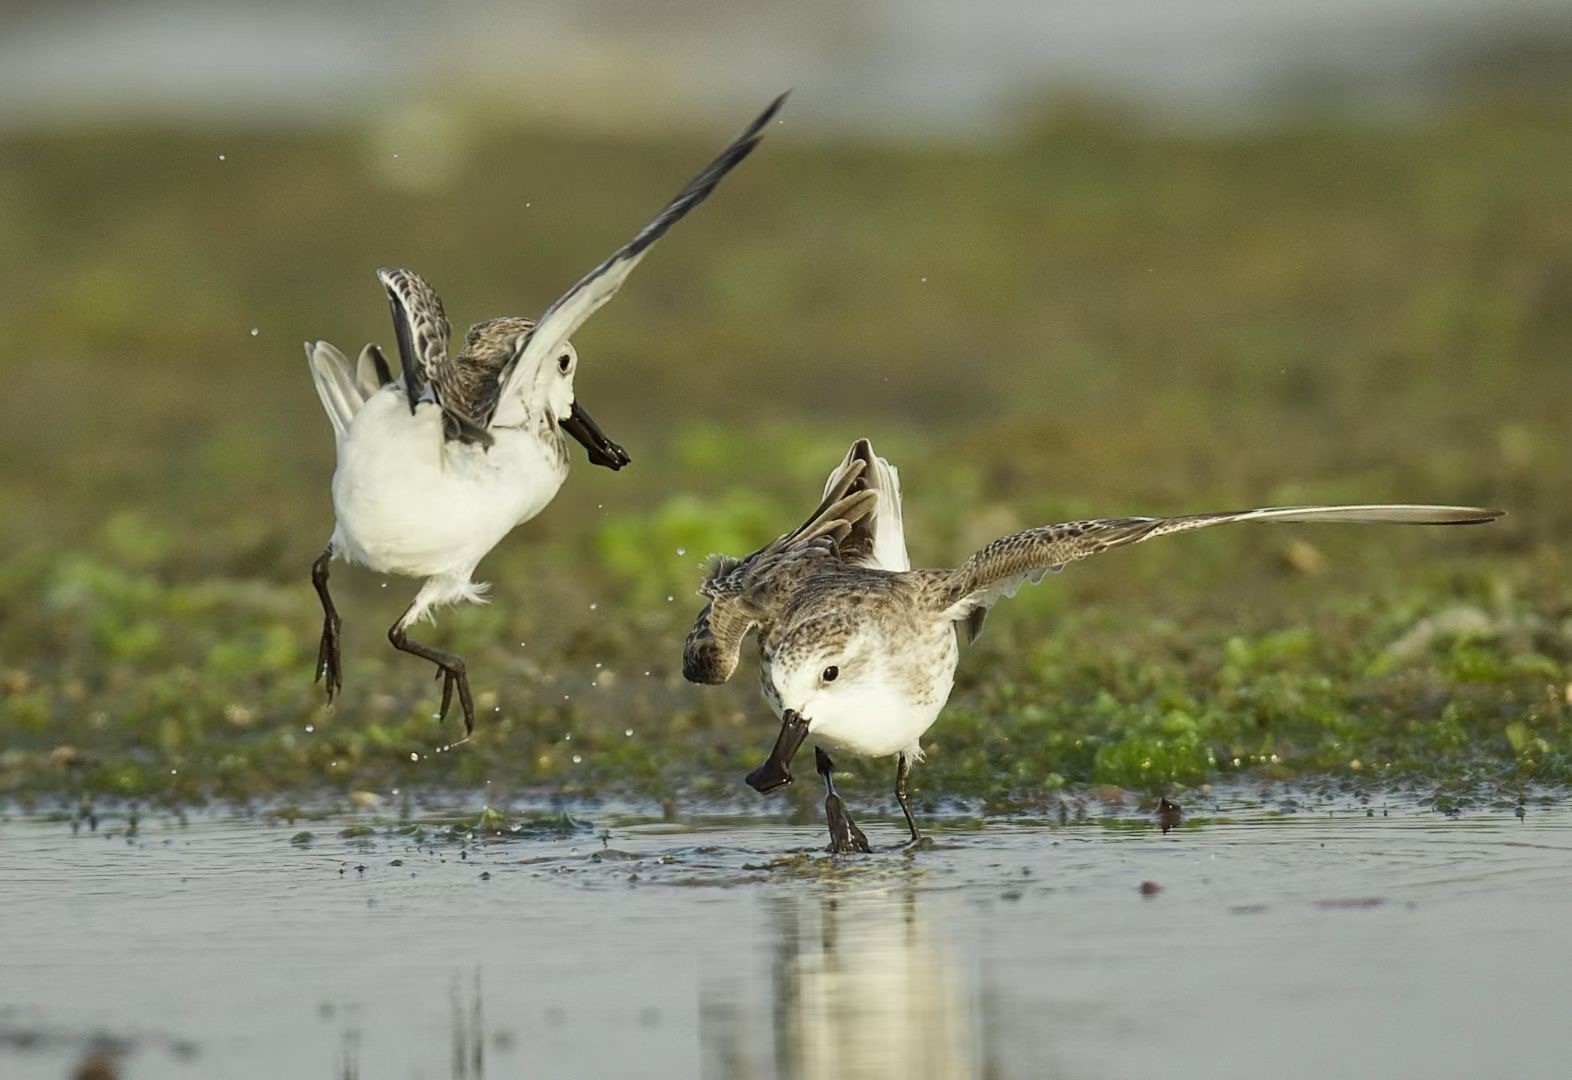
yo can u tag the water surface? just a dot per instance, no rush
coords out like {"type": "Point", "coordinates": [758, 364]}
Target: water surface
{"type": "Point", "coordinates": [1336, 939]}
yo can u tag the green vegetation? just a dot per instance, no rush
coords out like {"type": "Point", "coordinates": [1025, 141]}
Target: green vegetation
{"type": "Point", "coordinates": [1097, 319]}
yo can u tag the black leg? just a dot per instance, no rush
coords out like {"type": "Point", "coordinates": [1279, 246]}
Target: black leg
{"type": "Point", "coordinates": [845, 836]}
{"type": "Point", "coordinates": [329, 666]}
{"type": "Point", "coordinates": [449, 667]}
{"type": "Point", "coordinates": [776, 770]}
{"type": "Point", "coordinates": [903, 773]}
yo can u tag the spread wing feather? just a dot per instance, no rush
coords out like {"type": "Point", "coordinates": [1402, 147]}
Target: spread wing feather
{"type": "Point", "coordinates": [430, 374]}
{"type": "Point", "coordinates": [739, 592]}
{"type": "Point", "coordinates": [1001, 568]}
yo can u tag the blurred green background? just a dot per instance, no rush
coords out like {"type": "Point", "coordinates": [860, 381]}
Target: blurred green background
{"type": "Point", "coordinates": [1085, 285]}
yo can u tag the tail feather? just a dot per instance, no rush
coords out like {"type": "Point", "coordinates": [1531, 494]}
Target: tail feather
{"type": "Point", "coordinates": [879, 538]}
{"type": "Point", "coordinates": [337, 385]}
{"type": "Point", "coordinates": [372, 372]}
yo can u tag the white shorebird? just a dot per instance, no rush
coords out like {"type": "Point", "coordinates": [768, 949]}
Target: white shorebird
{"type": "Point", "coordinates": [858, 650]}
{"type": "Point", "coordinates": [438, 465]}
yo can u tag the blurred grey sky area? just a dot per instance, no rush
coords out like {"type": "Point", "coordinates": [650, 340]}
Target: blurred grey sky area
{"type": "Point", "coordinates": [891, 68]}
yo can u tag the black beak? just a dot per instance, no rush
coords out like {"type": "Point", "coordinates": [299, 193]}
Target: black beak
{"type": "Point", "coordinates": [776, 770]}
{"type": "Point", "coordinates": [602, 451]}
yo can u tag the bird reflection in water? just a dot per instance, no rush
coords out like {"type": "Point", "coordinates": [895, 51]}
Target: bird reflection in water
{"type": "Point", "coordinates": [858, 987]}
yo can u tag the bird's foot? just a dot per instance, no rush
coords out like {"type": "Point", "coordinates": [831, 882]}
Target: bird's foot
{"type": "Point", "coordinates": [451, 676]}
{"type": "Point", "coordinates": [330, 670]}
{"type": "Point", "coordinates": [769, 776]}
{"type": "Point", "coordinates": [1168, 815]}
{"type": "Point", "coordinates": [845, 837]}
{"type": "Point", "coordinates": [918, 843]}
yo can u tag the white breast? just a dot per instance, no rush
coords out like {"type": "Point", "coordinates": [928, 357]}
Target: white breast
{"type": "Point", "coordinates": [886, 712]}
{"type": "Point", "coordinates": [409, 502]}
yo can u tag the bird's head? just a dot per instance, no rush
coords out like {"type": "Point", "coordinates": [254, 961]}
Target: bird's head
{"type": "Point", "coordinates": [548, 389]}
{"type": "Point", "coordinates": [830, 669]}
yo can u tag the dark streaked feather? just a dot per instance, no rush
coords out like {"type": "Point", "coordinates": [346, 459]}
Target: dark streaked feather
{"type": "Point", "coordinates": [421, 327]}
{"type": "Point", "coordinates": [714, 645]}
{"type": "Point", "coordinates": [429, 374]}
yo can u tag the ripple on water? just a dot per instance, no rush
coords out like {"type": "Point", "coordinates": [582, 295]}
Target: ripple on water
{"type": "Point", "coordinates": [739, 940]}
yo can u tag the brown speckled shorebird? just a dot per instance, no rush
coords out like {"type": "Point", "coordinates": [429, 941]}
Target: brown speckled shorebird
{"type": "Point", "coordinates": [858, 650]}
{"type": "Point", "coordinates": [437, 465]}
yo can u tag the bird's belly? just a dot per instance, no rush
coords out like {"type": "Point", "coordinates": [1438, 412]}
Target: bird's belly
{"type": "Point", "coordinates": [418, 506]}
{"type": "Point", "coordinates": [872, 734]}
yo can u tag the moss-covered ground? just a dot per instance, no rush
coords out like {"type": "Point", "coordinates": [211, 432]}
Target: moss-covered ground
{"type": "Point", "coordinates": [1094, 319]}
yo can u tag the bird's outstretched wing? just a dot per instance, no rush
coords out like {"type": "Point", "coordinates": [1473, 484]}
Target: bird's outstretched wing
{"type": "Point", "coordinates": [1001, 568]}
{"type": "Point", "coordinates": [601, 284]}
{"type": "Point", "coordinates": [430, 374]}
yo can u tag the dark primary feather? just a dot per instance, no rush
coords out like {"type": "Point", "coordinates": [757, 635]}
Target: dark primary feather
{"type": "Point", "coordinates": [1004, 565]}
{"type": "Point", "coordinates": [571, 309]}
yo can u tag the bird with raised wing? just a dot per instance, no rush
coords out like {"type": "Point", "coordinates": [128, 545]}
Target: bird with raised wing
{"type": "Point", "coordinates": [858, 651]}
{"type": "Point", "coordinates": [442, 458]}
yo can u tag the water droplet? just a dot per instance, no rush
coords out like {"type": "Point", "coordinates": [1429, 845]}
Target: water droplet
{"type": "Point", "coordinates": [682, 551]}
{"type": "Point", "coordinates": [395, 157]}
{"type": "Point", "coordinates": [414, 756]}
{"type": "Point", "coordinates": [670, 598]}
{"type": "Point", "coordinates": [255, 330]}
{"type": "Point", "coordinates": [384, 584]}
{"type": "Point", "coordinates": [174, 772]}
{"type": "Point", "coordinates": [577, 758]}
{"type": "Point", "coordinates": [594, 606]}
{"type": "Point", "coordinates": [628, 732]}
{"type": "Point", "coordinates": [310, 728]}
{"type": "Point", "coordinates": [497, 708]}
{"type": "Point", "coordinates": [221, 157]}
{"type": "Point", "coordinates": [568, 737]}
{"type": "Point", "coordinates": [646, 674]}
{"type": "Point", "coordinates": [925, 281]}
{"type": "Point", "coordinates": [594, 682]}
{"type": "Point", "coordinates": [522, 644]}
{"type": "Point", "coordinates": [564, 697]}
{"type": "Point", "coordinates": [395, 791]}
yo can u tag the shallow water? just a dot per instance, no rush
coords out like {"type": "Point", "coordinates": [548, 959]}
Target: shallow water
{"type": "Point", "coordinates": [1314, 943]}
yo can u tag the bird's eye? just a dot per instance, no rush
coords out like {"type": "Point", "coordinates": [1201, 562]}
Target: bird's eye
{"type": "Point", "coordinates": [830, 673]}
{"type": "Point", "coordinates": [564, 362]}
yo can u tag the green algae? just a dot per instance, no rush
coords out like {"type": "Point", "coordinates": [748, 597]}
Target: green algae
{"type": "Point", "coordinates": [1112, 321]}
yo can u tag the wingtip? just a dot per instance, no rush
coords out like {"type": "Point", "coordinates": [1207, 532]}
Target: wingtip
{"type": "Point", "coordinates": [775, 106]}
{"type": "Point", "coordinates": [752, 133]}
{"type": "Point", "coordinates": [1470, 515]}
